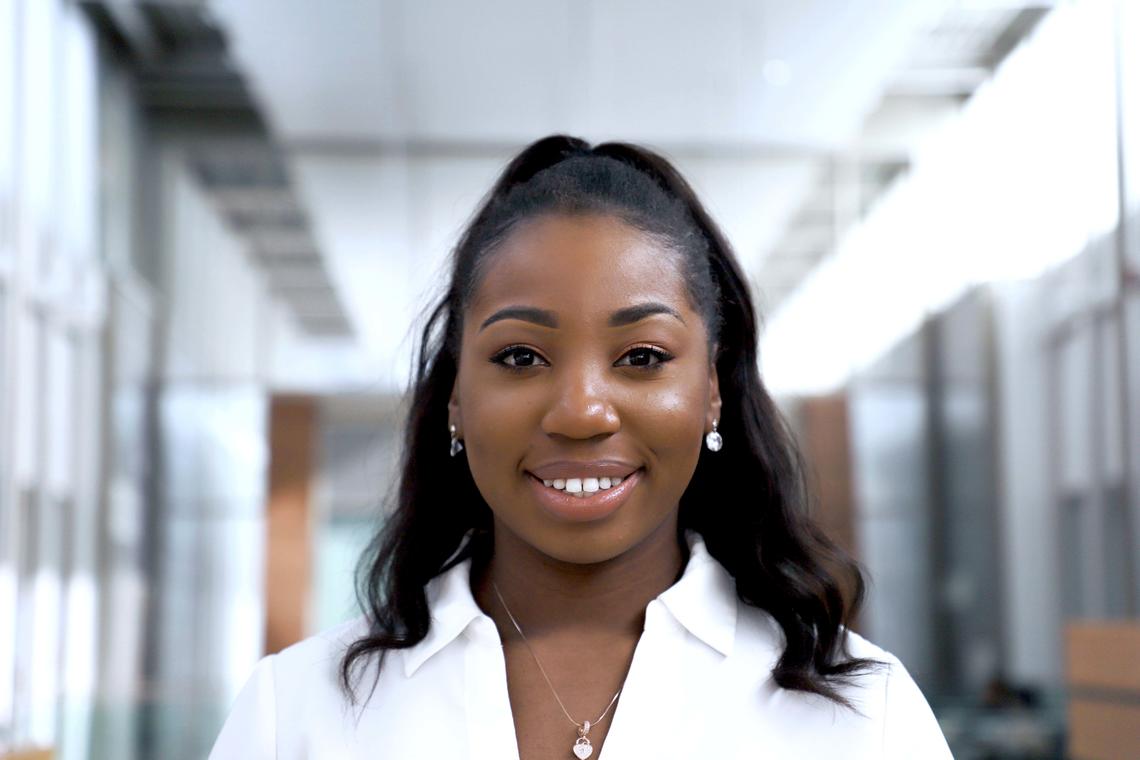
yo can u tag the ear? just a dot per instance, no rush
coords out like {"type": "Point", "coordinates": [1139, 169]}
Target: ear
{"type": "Point", "coordinates": [714, 397]}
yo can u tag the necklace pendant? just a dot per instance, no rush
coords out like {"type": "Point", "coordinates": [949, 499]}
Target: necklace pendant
{"type": "Point", "coordinates": [582, 748]}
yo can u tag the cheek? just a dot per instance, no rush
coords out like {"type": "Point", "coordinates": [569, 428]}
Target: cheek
{"type": "Point", "coordinates": [670, 418]}
{"type": "Point", "coordinates": [498, 420]}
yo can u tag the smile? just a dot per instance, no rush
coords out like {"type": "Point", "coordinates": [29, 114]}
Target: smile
{"type": "Point", "coordinates": [582, 487]}
{"type": "Point", "coordinates": [585, 498]}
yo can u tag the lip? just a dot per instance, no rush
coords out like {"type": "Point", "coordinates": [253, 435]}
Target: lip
{"type": "Point", "coordinates": [596, 506]}
{"type": "Point", "coordinates": [600, 468]}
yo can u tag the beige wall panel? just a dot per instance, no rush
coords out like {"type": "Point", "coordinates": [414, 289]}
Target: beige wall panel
{"type": "Point", "coordinates": [1103, 655]}
{"type": "Point", "coordinates": [293, 432]}
{"type": "Point", "coordinates": [1103, 730]}
{"type": "Point", "coordinates": [823, 423]}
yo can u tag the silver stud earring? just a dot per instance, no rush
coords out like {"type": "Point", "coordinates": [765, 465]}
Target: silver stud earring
{"type": "Point", "coordinates": [713, 440]}
{"type": "Point", "coordinates": [456, 444]}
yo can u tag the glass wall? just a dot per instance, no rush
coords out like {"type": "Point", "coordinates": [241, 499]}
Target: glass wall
{"type": "Point", "coordinates": [50, 337]}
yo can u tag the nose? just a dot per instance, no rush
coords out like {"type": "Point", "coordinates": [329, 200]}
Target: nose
{"type": "Point", "coordinates": [582, 405]}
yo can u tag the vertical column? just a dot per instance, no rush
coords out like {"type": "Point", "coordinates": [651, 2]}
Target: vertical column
{"type": "Point", "coordinates": [1128, 258]}
{"type": "Point", "coordinates": [827, 449]}
{"type": "Point", "coordinates": [206, 530]}
{"type": "Point", "coordinates": [891, 443]}
{"type": "Point", "coordinates": [292, 436]}
{"type": "Point", "coordinates": [823, 423]}
{"type": "Point", "coordinates": [10, 72]}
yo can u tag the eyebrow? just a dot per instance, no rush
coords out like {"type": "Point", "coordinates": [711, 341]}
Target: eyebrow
{"type": "Point", "coordinates": [631, 314]}
{"type": "Point", "coordinates": [627, 316]}
{"type": "Point", "coordinates": [524, 313]}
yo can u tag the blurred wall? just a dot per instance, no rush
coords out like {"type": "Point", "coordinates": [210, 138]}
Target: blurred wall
{"type": "Point", "coordinates": [132, 409]}
{"type": "Point", "coordinates": [51, 363]}
{"type": "Point", "coordinates": [206, 560]}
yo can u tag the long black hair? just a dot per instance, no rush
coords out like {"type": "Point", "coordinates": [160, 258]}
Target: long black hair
{"type": "Point", "coordinates": [749, 501]}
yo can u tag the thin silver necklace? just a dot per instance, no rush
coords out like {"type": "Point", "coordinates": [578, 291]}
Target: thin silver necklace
{"type": "Point", "coordinates": [582, 748]}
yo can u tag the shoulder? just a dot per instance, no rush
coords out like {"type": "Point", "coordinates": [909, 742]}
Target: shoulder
{"type": "Point", "coordinates": [892, 717]}
{"type": "Point", "coordinates": [759, 634]}
{"type": "Point", "coordinates": [859, 647]}
{"type": "Point", "coordinates": [889, 697]}
{"type": "Point", "coordinates": [289, 696]}
{"type": "Point", "coordinates": [760, 638]}
{"type": "Point", "coordinates": [316, 660]}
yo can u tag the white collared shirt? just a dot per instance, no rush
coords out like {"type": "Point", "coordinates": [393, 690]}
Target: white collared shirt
{"type": "Point", "coordinates": [699, 686]}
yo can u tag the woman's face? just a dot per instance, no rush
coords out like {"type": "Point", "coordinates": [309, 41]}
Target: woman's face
{"type": "Point", "coordinates": [584, 386]}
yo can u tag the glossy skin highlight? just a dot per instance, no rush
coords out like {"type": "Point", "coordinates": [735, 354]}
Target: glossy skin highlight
{"type": "Point", "coordinates": [581, 346]}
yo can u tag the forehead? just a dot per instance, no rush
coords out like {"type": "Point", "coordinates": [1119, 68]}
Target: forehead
{"type": "Point", "coordinates": [584, 265]}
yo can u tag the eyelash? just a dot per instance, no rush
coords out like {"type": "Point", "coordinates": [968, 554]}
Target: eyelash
{"type": "Point", "coordinates": [660, 355]}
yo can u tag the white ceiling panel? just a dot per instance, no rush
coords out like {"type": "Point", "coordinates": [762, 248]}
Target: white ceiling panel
{"type": "Point", "coordinates": [749, 198]}
{"type": "Point", "coordinates": [318, 67]}
{"type": "Point", "coordinates": [495, 70]}
{"type": "Point", "coordinates": [509, 70]}
{"type": "Point", "coordinates": [398, 114]}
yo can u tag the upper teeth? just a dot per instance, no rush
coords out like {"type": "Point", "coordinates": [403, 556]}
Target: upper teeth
{"type": "Point", "coordinates": [581, 486]}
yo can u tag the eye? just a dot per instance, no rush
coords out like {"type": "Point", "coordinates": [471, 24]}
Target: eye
{"type": "Point", "coordinates": [518, 357]}
{"type": "Point", "coordinates": [644, 356]}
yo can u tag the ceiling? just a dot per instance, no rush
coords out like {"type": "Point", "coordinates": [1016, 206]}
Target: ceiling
{"type": "Point", "coordinates": [945, 65]}
{"type": "Point", "coordinates": [394, 117]}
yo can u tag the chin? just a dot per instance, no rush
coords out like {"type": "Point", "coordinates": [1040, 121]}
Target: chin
{"type": "Point", "coordinates": [589, 543]}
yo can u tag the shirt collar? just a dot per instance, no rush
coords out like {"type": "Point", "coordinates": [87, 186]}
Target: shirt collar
{"type": "Point", "coordinates": [453, 608]}
{"type": "Point", "coordinates": [703, 601]}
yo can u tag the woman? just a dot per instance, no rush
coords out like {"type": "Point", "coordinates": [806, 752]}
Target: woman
{"type": "Point", "coordinates": [599, 545]}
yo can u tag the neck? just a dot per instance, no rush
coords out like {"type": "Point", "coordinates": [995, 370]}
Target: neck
{"type": "Point", "coordinates": [549, 596]}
